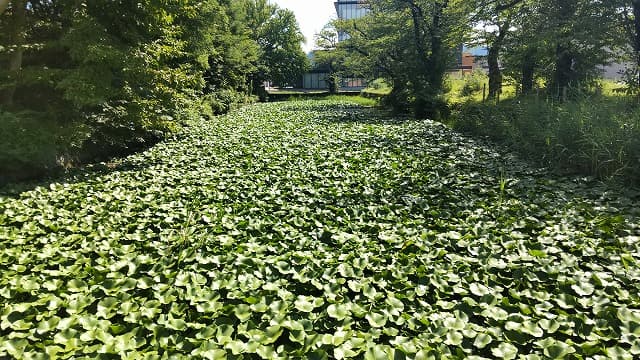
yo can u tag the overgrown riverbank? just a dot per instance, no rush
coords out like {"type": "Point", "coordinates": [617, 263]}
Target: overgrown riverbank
{"type": "Point", "coordinates": [320, 229]}
{"type": "Point", "coordinates": [591, 133]}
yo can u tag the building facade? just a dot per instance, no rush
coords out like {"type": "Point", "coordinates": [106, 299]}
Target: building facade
{"type": "Point", "coordinates": [349, 10]}
{"type": "Point", "coordinates": [317, 78]}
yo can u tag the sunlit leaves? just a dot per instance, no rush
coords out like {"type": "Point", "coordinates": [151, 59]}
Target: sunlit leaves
{"type": "Point", "coordinates": [319, 230]}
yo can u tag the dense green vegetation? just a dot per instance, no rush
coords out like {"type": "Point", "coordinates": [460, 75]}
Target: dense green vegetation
{"type": "Point", "coordinates": [319, 229]}
{"type": "Point", "coordinates": [412, 44]}
{"type": "Point", "coordinates": [544, 65]}
{"type": "Point", "coordinates": [81, 80]}
{"type": "Point", "coordinates": [594, 135]}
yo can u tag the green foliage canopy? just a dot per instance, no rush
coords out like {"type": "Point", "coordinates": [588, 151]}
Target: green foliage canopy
{"type": "Point", "coordinates": [111, 76]}
{"type": "Point", "coordinates": [410, 43]}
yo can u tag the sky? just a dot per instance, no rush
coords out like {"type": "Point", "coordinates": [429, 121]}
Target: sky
{"type": "Point", "coordinates": [312, 16]}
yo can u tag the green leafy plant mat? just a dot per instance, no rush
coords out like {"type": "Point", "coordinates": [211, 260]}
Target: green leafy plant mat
{"type": "Point", "coordinates": [319, 230]}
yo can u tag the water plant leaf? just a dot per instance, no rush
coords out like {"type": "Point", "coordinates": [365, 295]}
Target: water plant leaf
{"type": "Point", "coordinates": [319, 229]}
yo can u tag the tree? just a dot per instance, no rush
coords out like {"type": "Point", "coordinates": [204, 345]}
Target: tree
{"type": "Point", "coordinates": [496, 17]}
{"type": "Point", "coordinates": [17, 27]}
{"type": "Point", "coordinates": [634, 34]}
{"type": "Point", "coordinates": [123, 71]}
{"type": "Point", "coordinates": [109, 76]}
{"type": "Point", "coordinates": [580, 36]}
{"type": "Point", "coordinates": [526, 51]}
{"type": "Point", "coordinates": [329, 56]}
{"type": "Point", "coordinates": [629, 19]}
{"type": "Point", "coordinates": [563, 41]}
{"type": "Point", "coordinates": [232, 58]}
{"type": "Point", "coordinates": [281, 48]}
{"type": "Point", "coordinates": [279, 40]}
{"type": "Point", "coordinates": [410, 43]}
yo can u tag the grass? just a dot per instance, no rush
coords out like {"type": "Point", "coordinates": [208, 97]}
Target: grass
{"type": "Point", "coordinates": [377, 89]}
{"type": "Point", "coordinates": [295, 91]}
{"type": "Point", "coordinates": [359, 100]}
{"type": "Point", "coordinates": [355, 99]}
{"type": "Point", "coordinates": [456, 83]}
{"type": "Point", "coordinates": [612, 88]}
{"type": "Point", "coordinates": [377, 92]}
{"type": "Point", "coordinates": [591, 134]}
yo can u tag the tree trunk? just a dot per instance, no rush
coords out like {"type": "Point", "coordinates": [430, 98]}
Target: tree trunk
{"type": "Point", "coordinates": [419, 82]}
{"type": "Point", "coordinates": [495, 75]}
{"type": "Point", "coordinates": [3, 6]}
{"type": "Point", "coordinates": [18, 21]}
{"type": "Point", "coordinates": [564, 62]}
{"type": "Point", "coordinates": [636, 36]}
{"type": "Point", "coordinates": [528, 68]}
{"type": "Point", "coordinates": [428, 81]}
{"type": "Point", "coordinates": [564, 56]}
{"type": "Point", "coordinates": [435, 64]}
{"type": "Point", "coordinates": [332, 81]}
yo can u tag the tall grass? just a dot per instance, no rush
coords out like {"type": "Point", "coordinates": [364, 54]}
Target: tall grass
{"type": "Point", "coordinates": [472, 87]}
{"type": "Point", "coordinates": [593, 135]}
{"type": "Point", "coordinates": [360, 100]}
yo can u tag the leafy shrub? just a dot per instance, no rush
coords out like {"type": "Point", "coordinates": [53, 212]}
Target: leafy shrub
{"type": "Point", "coordinates": [447, 84]}
{"type": "Point", "coordinates": [222, 101]}
{"type": "Point", "coordinates": [473, 83]}
{"type": "Point", "coordinates": [398, 100]}
{"type": "Point", "coordinates": [379, 84]}
{"type": "Point", "coordinates": [630, 76]}
{"type": "Point", "coordinates": [117, 130]}
{"type": "Point", "coordinates": [33, 144]}
{"type": "Point", "coordinates": [29, 145]}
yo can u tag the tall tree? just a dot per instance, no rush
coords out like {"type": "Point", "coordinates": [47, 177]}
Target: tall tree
{"type": "Point", "coordinates": [410, 43]}
{"type": "Point", "coordinates": [496, 17]}
{"type": "Point", "coordinates": [580, 32]}
{"type": "Point", "coordinates": [525, 50]}
{"type": "Point", "coordinates": [329, 56]}
{"type": "Point", "coordinates": [629, 19]}
{"type": "Point", "coordinates": [17, 38]}
{"type": "Point", "coordinates": [115, 74]}
{"type": "Point", "coordinates": [279, 38]}
{"type": "Point", "coordinates": [568, 39]}
{"type": "Point", "coordinates": [634, 31]}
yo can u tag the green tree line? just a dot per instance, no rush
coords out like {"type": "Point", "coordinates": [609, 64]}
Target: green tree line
{"type": "Point", "coordinates": [559, 43]}
{"type": "Point", "coordinates": [82, 80]}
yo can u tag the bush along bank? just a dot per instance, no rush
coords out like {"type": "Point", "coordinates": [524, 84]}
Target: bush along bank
{"type": "Point", "coordinates": [593, 135]}
{"type": "Point", "coordinates": [81, 81]}
{"type": "Point", "coordinates": [34, 145]}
